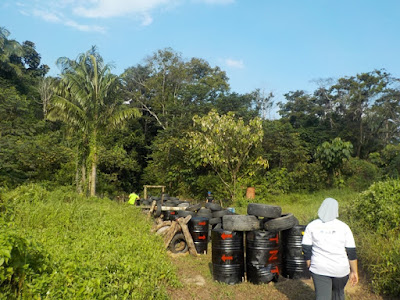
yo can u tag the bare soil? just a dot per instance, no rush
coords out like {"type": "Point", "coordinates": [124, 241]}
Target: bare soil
{"type": "Point", "coordinates": [195, 274]}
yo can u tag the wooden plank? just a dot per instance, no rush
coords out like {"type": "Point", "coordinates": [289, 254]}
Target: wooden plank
{"type": "Point", "coordinates": [173, 229]}
{"type": "Point", "coordinates": [152, 207]}
{"type": "Point", "coordinates": [188, 236]}
{"type": "Point", "coordinates": [160, 225]}
{"type": "Point", "coordinates": [164, 208]}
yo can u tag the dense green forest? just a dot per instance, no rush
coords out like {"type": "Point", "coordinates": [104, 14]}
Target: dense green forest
{"type": "Point", "coordinates": [157, 122]}
{"type": "Point", "coordinates": [176, 122]}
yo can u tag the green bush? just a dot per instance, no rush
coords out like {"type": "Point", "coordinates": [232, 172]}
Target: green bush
{"type": "Point", "coordinates": [99, 249]}
{"type": "Point", "coordinates": [378, 208]}
{"type": "Point", "coordinates": [360, 174]}
{"type": "Point", "coordinates": [376, 222]}
{"type": "Point", "coordinates": [21, 260]}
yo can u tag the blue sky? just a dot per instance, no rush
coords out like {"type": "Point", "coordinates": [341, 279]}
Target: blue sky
{"type": "Point", "coordinates": [277, 46]}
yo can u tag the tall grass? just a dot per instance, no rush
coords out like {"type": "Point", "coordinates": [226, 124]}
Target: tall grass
{"type": "Point", "coordinates": [97, 249]}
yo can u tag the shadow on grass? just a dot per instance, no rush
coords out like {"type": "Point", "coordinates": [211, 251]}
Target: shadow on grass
{"type": "Point", "coordinates": [295, 289]}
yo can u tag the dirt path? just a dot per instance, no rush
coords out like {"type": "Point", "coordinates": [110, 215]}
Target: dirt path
{"type": "Point", "coordinates": [195, 273]}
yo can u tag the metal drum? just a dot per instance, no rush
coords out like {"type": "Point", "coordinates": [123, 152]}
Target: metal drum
{"type": "Point", "coordinates": [227, 256]}
{"type": "Point", "coordinates": [263, 259]}
{"type": "Point", "coordinates": [294, 265]}
{"type": "Point", "coordinates": [198, 228]}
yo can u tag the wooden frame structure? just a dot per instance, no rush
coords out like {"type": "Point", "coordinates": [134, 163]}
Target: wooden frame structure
{"type": "Point", "coordinates": [145, 187]}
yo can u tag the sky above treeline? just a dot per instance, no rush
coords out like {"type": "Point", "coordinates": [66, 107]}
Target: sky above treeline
{"type": "Point", "coordinates": [275, 46]}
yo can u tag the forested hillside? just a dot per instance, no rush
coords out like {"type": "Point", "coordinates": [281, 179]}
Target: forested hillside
{"type": "Point", "coordinates": [176, 122]}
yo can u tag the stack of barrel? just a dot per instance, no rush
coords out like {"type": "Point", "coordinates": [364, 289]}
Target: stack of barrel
{"type": "Point", "coordinates": [250, 245]}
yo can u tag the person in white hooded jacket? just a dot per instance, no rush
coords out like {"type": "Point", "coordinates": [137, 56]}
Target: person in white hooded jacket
{"type": "Point", "coordinates": [330, 252]}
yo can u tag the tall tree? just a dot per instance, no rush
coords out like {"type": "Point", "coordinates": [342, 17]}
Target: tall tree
{"type": "Point", "coordinates": [225, 143]}
{"type": "Point", "coordinates": [357, 94]}
{"type": "Point", "coordinates": [171, 90]}
{"type": "Point", "coordinates": [88, 101]}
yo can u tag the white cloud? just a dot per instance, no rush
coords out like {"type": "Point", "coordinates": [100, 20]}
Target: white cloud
{"type": "Point", "coordinates": [68, 11]}
{"type": "Point", "coordinates": [237, 64]}
{"type": "Point", "coordinates": [114, 8]}
{"type": "Point", "coordinates": [53, 17]}
{"type": "Point", "coordinates": [86, 28]}
{"type": "Point", "coordinates": [146, 19]}
{"type": "Point", "coordinates": [216, 1]}
{"type": "Point", "coordinates": [47, 16]}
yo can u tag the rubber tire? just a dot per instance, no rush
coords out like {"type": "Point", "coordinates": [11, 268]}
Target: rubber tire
{"type": "Point", "coordinates": [158, 210]}
{"type": "Point", "coordinates": [240, 223]}
{"type": "Point", "coordinates": [213, 206]}
{"type": "Point", "coordinates": [194, 207]}
{"type": "Point", "coordinates": [184, 213]}
{"type": "Point", "coordinates": [264, 210]}
{"type": "Point", "coordinates": [204, 212]}
{"type": "Point", "coordinates": [177, 239]}
{"type": "Point", "coordinates": [214, 221]}
{"type": "Point", "coordinates": [221, 213]}
{"type": "Point", "coordinates": [284, 222]}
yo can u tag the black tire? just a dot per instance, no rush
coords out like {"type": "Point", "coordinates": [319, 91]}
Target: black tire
{"type": "Point", "coordinates": [194, 207]}
{"type": "Point", "coordinates": [264, 210]}
{"type": "Point", "coordinates": [221, 213]}
{"type": "Point", "coordinates": [284, 222]}
{"type": "Point", "coordinates": [204, 212]}
{"type": "Point", "coordinates": [178, 244]}
{"type": "Point", "coordinates": [240, 223]}
{"type": "Point", "coordinates": [184, 213]}
{"type": "Point", "coordinates": [213, 206]}
{"type": "Point", "coordinates": [214, 221]}
{"type": "Point", "coordinates": [217, 226]}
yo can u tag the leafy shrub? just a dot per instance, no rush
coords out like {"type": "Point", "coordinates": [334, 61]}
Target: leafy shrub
{"type": "Point", "coordinates": [380, 258]}
{"type": "Point", "coordinates": [376, 220]}
{"type": "Point", "coordinates": [360, 174]}
{"type": "Point", "coordinates": [99, 249]}
{"type": "Point", "coordinates": [378, 208]}
{"type": "Point", "coordinates": [308, 177]}
{"type": "Point", "coordinates": [21, 260]}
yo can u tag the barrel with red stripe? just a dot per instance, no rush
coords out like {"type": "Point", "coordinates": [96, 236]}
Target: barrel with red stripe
{"type": "Point", "coordinates": [198, 228]}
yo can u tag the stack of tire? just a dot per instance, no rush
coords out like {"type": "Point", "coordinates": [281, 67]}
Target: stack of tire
{"type": "Point", "coordinates": [212, 212]}
{"type": "Point", "coordinates": [262, 226]}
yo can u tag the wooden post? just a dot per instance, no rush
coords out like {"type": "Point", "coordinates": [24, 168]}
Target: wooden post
{"type": "Point", "coordinates": [173, 229]}
{"type": "Point", "coordinates": [153, 205]}
{"type": "Point", "coordinates": [188, 236]}
{"type": "Point", "coordinates": [162, 224]}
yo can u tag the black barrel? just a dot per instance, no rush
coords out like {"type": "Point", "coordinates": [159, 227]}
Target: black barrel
{"type": "Point", "coordinates": [227, 256]}
{"type": "Point", "coordinates": [198, 228]}
{"type": "Point", "coordinates": [263, 259]}
{"type": "Point", "coordinates": [170, 215]}
{"type": "Point", "coordinates": [293, 263]}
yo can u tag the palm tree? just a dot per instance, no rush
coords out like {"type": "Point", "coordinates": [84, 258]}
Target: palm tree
{"type": "Point", "coordinates": [87, 100]}
{"type": "Point", "coordinates": [7, 49]}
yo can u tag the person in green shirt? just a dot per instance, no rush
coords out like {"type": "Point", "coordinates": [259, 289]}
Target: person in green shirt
{"type": "Point", "coordinates": [132, 198]}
